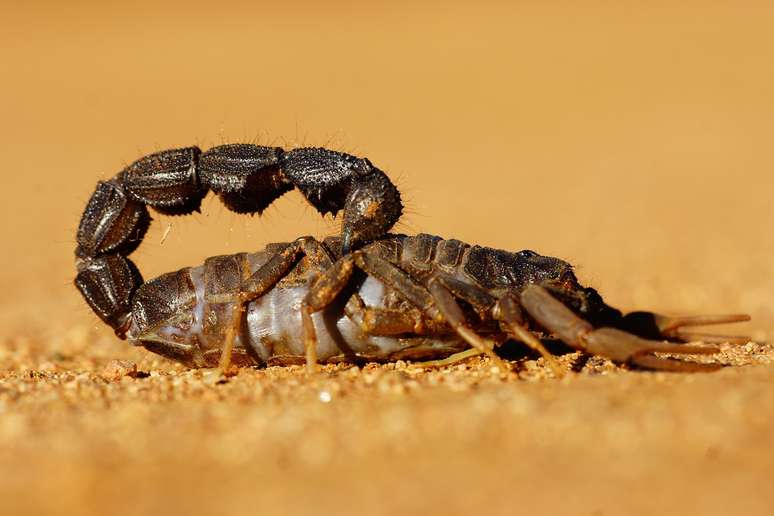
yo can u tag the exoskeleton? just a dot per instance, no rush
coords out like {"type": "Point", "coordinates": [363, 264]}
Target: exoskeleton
{"type": "Point", "coordinates": [364, 296]}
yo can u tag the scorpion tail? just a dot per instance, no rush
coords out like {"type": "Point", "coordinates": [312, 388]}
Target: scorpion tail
{"type": "Point", "coordinates": [615, 344]}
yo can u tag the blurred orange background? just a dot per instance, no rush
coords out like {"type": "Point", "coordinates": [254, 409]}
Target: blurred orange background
{"type": "Point", "coordinates": [633, 139]}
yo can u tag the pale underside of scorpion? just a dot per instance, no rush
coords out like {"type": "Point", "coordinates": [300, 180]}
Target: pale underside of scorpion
{"type": "Point", "coordinates": [367, 295]}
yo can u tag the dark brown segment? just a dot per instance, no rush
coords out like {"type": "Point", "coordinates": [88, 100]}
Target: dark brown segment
{"type": "Point", "coordinates": [387, 321]}
{"type": "Point", "coordinates": [329, 284]}
{"type": "Point", "coordinates": [389, 249]}
{"type": "Point", "coordinates": [333, 245]}
{"type": "Point", "coordinates": [555, 316]}
{"type": "Point", "coordinates": [448, 253]}
{"type": "Point", "coordinates": [166, 180]}
{"type": "Point", "coordinates": [323, 176]}
{"type": "Point", "coordinates": [477, 297]}
{"type": "Point", "coordinates": [223, 277]}
{"type": "Point", "coordinates": [494, 268]}
{"type": "Point", "coordinates": [332, 181]}
{"type": "Point", "coordinates": [246, 177]}
{"type": "Point", "coordinates": [162, 299]}
{"type": "Point", "coordinates": [418, 250]}
{"type": "Point", "coordinates": [223, 274]}
{"type": "Point", "coordinates": [372, 207]}
{"type": "Point", "coordinates": [395, 278]}
{"type": "Point", "coordinates": [111, 222]}
{"type": "Point", "coordinates": [107, 284]}
{"type": "Point", "coordinates": [454, 315]}
{"type": "Point", "coordinates": [282, 263]}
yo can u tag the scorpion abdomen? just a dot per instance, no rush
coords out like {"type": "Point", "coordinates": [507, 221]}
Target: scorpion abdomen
{"type": "Point", "coordinates": [185, 315]}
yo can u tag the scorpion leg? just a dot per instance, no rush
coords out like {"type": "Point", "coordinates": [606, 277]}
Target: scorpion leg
{"type": "Point", "coordinates": [267, 277]}
{"type": "Point", "coordinates": [476, 297]}
{"type": "Point", "coordinates": [383, 321]}
{"type": "Point", "coordinates": [281, 264]}
{"type": "Point", "coordinates": [435, 300]}
{"type": "Point", "coordinates": [513, 320]}
{"type": "Point", "coordinates": [322, 293]}
{"type": "Point", "coordinates": [370, 320]}
{"type": "Point", "coordinates": [454, 316]}
{"type": "Point", "coordinates": [440, 306]}
{"type": "Point", "coordinates": [612, 343]}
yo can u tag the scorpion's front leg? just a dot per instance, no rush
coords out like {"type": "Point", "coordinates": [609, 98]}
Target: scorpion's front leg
{"type": "Point", "coordinates": [615, 344]}
{"type": "Point", "coordinates": [512, 318]}
{"type": "Point", "coordinates": [505, 309]}
{"type": "Point", "coordinates": [436, 301]}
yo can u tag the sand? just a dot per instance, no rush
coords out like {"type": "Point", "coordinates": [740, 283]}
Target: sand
{"type": "Point", "coordinates": [633, 141]}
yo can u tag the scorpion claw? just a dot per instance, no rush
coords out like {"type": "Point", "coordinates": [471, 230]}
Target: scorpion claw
{"type": "Point", "coordinates": [710, 338]}
{"type": "Point", "coordinates": [653, 325]}
{"type": "Point", "coordinates": [625, 347]}
{"type": "Point", "coordinates": [613, 343]}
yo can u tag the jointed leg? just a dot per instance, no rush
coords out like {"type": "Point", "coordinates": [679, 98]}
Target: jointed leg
{"type": "Point", "coordinates": [453, 314]}
{"type": "Point", "coordinates": [514, 322]}
{"type": "Point", "coordinates": [232, 331]}
{"type": "Point", "coordinates": [266, 278]}
{"type": "Point", "coordinates": [438, 303]}
{"type": "Point", "coordinates": [281, 264]}
{"type": "Point", "coordinates": [322, 292]}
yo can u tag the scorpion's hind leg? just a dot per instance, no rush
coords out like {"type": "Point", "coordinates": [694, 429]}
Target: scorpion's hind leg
{"type": "Point", "coordinates": [615, 344]}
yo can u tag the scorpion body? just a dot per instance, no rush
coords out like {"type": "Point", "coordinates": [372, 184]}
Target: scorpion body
{"type": "Point", "coordinates": [366, 295]}
{"type": "Point", "coordinates": [193, 328]}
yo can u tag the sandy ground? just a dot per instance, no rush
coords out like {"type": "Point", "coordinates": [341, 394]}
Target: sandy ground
{"type": "Point", "coordinates": [633, 141]}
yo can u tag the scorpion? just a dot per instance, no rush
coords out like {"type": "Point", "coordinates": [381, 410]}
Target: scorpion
{"type": "Point", "coordinates": [364, 295]}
